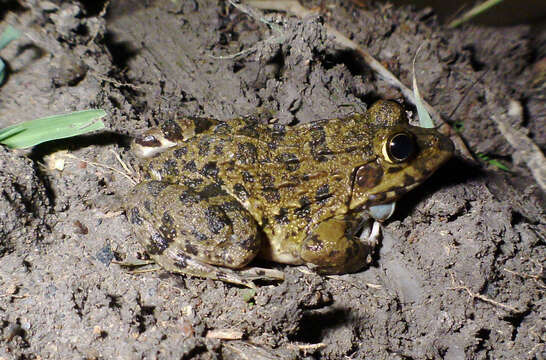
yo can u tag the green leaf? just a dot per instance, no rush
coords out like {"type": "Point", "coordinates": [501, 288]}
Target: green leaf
{"type": "Point", "coordinates": [424, 117]}
{"type": "Point", "coordinates": [54, 127]}
{"type": "Point", "coordinates": [499, 165]}
{"type": "Point", "coordinates": [8, 35]}
{"type": "Point", "coordinates": [7, 132]}
{"type": "Point", "coordinates": [476, 10]}
{"type": "Point", "coordinates": [493, 162]}
{"type": "Point", "coordinates": [2, 73]}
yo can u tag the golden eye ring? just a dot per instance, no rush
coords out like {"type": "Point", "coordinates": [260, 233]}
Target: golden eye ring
{"type": "Point", "coordinates": [399, 147]}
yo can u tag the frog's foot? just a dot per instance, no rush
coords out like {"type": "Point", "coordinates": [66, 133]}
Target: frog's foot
{"type": "Point", "coordinates": [183, 264]}
{"type": "Point", "coordinates": [332, 248]}
{"type": "Point", "coordinates": [371, 235]}
{"type": "Point", "coordinates": [257, 273]}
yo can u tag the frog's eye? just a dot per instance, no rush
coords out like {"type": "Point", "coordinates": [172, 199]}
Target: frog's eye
{"type": "Point", "coordinates": [399, 147]}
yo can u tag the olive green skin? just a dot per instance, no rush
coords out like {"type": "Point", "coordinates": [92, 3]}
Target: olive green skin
{"type": "Point", "coordinates": [217, 194]}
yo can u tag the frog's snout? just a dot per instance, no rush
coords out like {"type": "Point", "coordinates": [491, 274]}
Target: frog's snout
{"type": "Point", "coordinates": [438, 148]}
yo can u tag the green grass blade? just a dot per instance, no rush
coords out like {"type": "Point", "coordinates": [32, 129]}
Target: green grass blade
{"type": "Point", "coordinates": [55, 127]}
{"type": "Point", "coordinates": [9, 131]}
{"type": "Point", "coordinates": [476, 10]}
{"type": "Point", "coordinates": [499, 165]}
{"type": "Point", "coordinates": [424, 117]}
{"type": "Point", "coordinates": [493, 162]}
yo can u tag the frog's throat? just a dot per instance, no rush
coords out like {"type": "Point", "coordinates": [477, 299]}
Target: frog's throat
{"type": "Point", "coordinates": [382, 212]}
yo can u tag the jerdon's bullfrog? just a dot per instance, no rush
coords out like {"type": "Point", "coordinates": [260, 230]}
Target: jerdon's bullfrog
{"type": "Point", "coordinates": [217, 194]}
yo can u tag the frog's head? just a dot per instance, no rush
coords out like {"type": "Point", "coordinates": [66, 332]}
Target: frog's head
{"type": "Point", "coordinates": [403, 157]}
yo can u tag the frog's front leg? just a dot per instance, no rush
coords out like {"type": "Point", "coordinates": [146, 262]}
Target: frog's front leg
{"type": "Point", "coordinates": [200, 231]}
{"type": "Point", "coordinates": [333, 248]}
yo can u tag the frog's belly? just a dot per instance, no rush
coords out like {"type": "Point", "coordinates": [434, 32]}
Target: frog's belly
{"type": "Point", "coordinates": [280, 251]}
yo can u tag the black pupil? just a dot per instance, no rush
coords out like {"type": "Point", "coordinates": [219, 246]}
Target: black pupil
{"type": "Point", "coordinates": [401, 147]}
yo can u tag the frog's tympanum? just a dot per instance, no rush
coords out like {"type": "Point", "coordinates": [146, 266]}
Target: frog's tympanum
{"type": "Point", "coordinates": [218, 194]}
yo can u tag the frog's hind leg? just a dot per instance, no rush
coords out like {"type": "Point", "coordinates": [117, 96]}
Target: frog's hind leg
{"type": "Point", "coordinates": [201, 231]}
{"type": "Point", "coordinates": [179, 262]}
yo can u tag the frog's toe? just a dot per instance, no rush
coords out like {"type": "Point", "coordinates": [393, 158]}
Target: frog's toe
{"type": "Point", "coordinates": [185, 264]}
{"type": "Point", "coordinates": [256, 273]}
{"type": "Point", "coordinates": [138, 266]}
{"type": "Point", "coordinates": [247, 276]}
{"type": "Point", "coordinates": [371, 235]}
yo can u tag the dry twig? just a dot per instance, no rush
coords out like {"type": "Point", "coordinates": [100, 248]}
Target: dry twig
{"type": "Point", "coordinates": [538, 278]}
{"type": "Point", "coordinates": [306, 347]}
{"type": "Point", "coordinates": [225, 334]}
{"type": "Point", "coordinates": [99, 165]}
{"type": "Point", "coordinates": [483, 298]}
{"type": "Point", "coordinates": [247, 351]}
{"type": "Point", "coordinates": [115, 82]}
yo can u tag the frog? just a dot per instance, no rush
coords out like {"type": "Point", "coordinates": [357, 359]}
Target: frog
{"type": "Point", "coordinates": [217, 194]}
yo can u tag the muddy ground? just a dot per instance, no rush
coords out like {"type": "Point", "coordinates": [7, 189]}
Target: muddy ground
{"type": "Point", "coordinates": [460, 270]}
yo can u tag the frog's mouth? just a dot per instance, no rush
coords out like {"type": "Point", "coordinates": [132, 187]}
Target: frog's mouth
{"type": "Point", "coordinates": [383, 181]}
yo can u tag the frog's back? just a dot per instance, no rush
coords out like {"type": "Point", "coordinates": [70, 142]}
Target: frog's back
{"type": "Point", "coordinates": [276, 171]}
